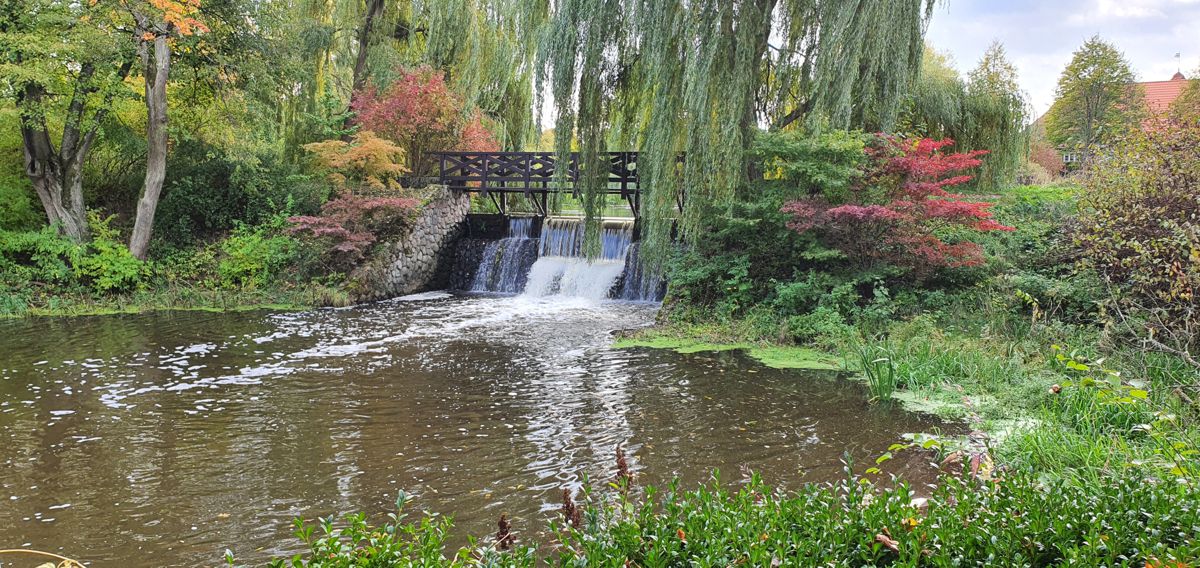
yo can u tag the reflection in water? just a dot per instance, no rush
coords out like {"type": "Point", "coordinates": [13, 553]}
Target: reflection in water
{"type": "Point", "coordinates": [161, 439]}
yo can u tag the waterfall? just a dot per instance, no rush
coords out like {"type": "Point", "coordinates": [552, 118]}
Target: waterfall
{"type": "Point", "coordinates": [562, 269]}
{"type": "Point", "coordinates": [504, 266]}
{"type": "Point", "coordinates": [639, 284]}
{"type": "Point", "coordinates": [554, 263]}
{"type": "Point", "coordinates": [563, 237]}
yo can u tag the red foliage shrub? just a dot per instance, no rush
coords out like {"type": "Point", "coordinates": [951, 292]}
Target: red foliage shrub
{"type": "Point", "coordinates": [894, 214]}
{"type": "Point", "coordinates": [1044, 155]}
{"type": "Point", "coordinates": [422, 114]}
{"type": "Point", "coordinates": [349, 224]}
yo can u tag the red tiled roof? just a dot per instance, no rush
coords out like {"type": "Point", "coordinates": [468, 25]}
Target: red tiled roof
{"type": "Point", "coordinates": [1160, 94]}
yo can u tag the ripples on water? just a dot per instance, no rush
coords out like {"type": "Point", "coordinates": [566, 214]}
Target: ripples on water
{"type": "Point", "coordinates": [160, 439]}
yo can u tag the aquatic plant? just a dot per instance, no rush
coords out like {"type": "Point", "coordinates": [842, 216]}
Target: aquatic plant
{"type": "Point", "coordinates": [879, 370]}
{"type": "Point", "coordinates": [398, 542]}
{"type": "Point", "coordinates": [505, 538]}
{"type": "Point", "coordinates": [571, 512]}
{"type": "Point", "coordinates": [624, 478]}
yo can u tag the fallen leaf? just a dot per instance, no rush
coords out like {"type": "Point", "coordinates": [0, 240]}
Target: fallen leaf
{"type": "Point", "coordinates": [891, 543]}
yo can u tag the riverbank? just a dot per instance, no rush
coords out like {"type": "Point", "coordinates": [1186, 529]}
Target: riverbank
{"type": "Point", "coordinates": [1054, 399]}
{"type": "Point", "coordinates": [1093, 467]}
{"type": "Point", "coordinates": [186, 298]}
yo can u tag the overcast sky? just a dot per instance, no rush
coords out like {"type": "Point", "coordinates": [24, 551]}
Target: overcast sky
{"type": "Point", "coordinates": [1040, 36]}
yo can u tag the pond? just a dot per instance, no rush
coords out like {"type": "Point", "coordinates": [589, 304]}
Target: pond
{"type": "Point", "coordinates": [161, 439]}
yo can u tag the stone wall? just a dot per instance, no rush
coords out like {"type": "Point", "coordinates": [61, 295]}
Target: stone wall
{"type": "Point", "coordinates": [419, 260]}
{"type": "Point", "coordinates": [467, 254]}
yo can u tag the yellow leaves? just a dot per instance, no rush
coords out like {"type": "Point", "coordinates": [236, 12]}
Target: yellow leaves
{"type": "Point", "coordinates": [366, 161]}
{"type": "Point", "coordinates": [147, 36]}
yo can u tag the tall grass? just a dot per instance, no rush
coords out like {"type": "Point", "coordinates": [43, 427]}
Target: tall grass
{"type": "Point", "coordinates": [876, 362]}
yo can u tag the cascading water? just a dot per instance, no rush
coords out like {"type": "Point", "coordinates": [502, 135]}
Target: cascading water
{"type": "Point", "coordinates": [555, 263]}
{"type": "Point", "coordinates": [562, 269]}
{"type": "Point", "coordinates": [504, 266]}
{"type": "Point", "coordinates": [639, 284]}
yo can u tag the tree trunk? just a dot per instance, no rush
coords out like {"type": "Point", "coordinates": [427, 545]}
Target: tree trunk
{"type": "Point", "coordinates": [374, 11]}
{"type": "Point", "coordinates": [156, 67]}
{"type": "Point", "coordinates": [56, 177]}
{"type": "Point", "coordinates": [359, 78]}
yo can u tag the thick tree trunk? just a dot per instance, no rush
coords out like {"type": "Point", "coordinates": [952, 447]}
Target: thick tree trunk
{"type": "Point", "coordinates": [56, 176]}
{"type": "Point", "coordinates": [157, 65]}
{"type": "Point", "coordinates": [60, 189]}
{"type": "Point", "coordinates": [374, 11]}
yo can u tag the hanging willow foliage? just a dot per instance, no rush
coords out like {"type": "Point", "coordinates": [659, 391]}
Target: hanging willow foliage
{"type": "Point", "coordinates": [686, 83]}
{"type": "Point", "coordinates": [487, 49]}
{"type": "Point", "coordinates": [986, 112]}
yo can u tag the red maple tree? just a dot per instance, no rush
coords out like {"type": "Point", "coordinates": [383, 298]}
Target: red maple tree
{"type": "Point", "coordinates": [896, 211]}
{"type": "Point", "coordinates": [422, 114]}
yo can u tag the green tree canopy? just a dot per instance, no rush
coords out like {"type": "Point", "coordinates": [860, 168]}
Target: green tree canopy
{"type": "Point", "coordinates": [1096, 100]}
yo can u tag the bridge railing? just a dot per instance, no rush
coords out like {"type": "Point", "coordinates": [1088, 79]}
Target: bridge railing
{"type": "Point", "coordinates": [528, 172]}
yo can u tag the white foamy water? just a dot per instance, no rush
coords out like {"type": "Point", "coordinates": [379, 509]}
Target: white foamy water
{"type": "Point", "coordinates": [573, 277]}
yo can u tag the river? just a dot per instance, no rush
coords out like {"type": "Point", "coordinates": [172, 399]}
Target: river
{"type": "Point", "coordinates": [162, 439]}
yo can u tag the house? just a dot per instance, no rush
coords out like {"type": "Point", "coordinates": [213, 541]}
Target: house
{"type": "Point", "coordinates": [1160, 94]}
{"type": "Point", "coordinates": [1158, 97]}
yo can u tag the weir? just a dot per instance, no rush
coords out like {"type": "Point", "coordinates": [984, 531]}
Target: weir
{"type": "Point", "coordinates": [551, 262]}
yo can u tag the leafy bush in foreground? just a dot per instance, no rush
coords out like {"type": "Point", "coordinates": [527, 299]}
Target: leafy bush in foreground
{"type": "Point", "coordinates": [1014, 521]}
{"type": "Point", "coordinates": [36, 259]}
{"type": "Point", "coordinates": [1140, 228]}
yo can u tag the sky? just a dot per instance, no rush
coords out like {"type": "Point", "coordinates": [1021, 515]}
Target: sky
{"type": "Point", "coordinates": [1040, 36]}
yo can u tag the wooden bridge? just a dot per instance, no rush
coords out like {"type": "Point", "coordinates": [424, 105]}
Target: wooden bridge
{"type": "Point", "coordinates": [532, 174]}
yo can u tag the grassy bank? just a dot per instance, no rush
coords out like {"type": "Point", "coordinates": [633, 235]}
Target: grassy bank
{"type": "Point", "coordinates": [45, 274]}
{"type": "Point", "coordinates": [1031, 345]}
{"type": "Point", "coordinates": [172, 298]}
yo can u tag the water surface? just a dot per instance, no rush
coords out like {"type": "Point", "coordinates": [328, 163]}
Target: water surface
{"type": "Point", "coordinates": [161, 439]}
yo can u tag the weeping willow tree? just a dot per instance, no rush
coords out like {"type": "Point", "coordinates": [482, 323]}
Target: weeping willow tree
{"type": "Point", "coordinates": [987, 111]}
{"type": "Point", "coordinates": [686, 82]}
{"type": "Point", "coordinates": [485, 47]}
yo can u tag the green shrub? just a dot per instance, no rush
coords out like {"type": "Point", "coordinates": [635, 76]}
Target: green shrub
{"type": "Point", "coordinates": [397, 543]}
{"type": "Point", "coordinates": [1016, 520]}
{"type": "Point", "coordinates": [211, 191]}
{"type": "Point", "coordinates": [196, 266]}
{"type": "Point", "coordinates": [41, 257]}
{"type": "Point", "coordinates": [105, 264]}
{"type": "Point", "coordinates": [1140, 230]}
{"type": "Point", "coordinates": [253, 256]}
{"type": "Point", "coordinates": [812, 327]}
{"type": "Point", "coordinates": [18, 204]}
{"type": "Point", "coordinates": [44, 259]}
